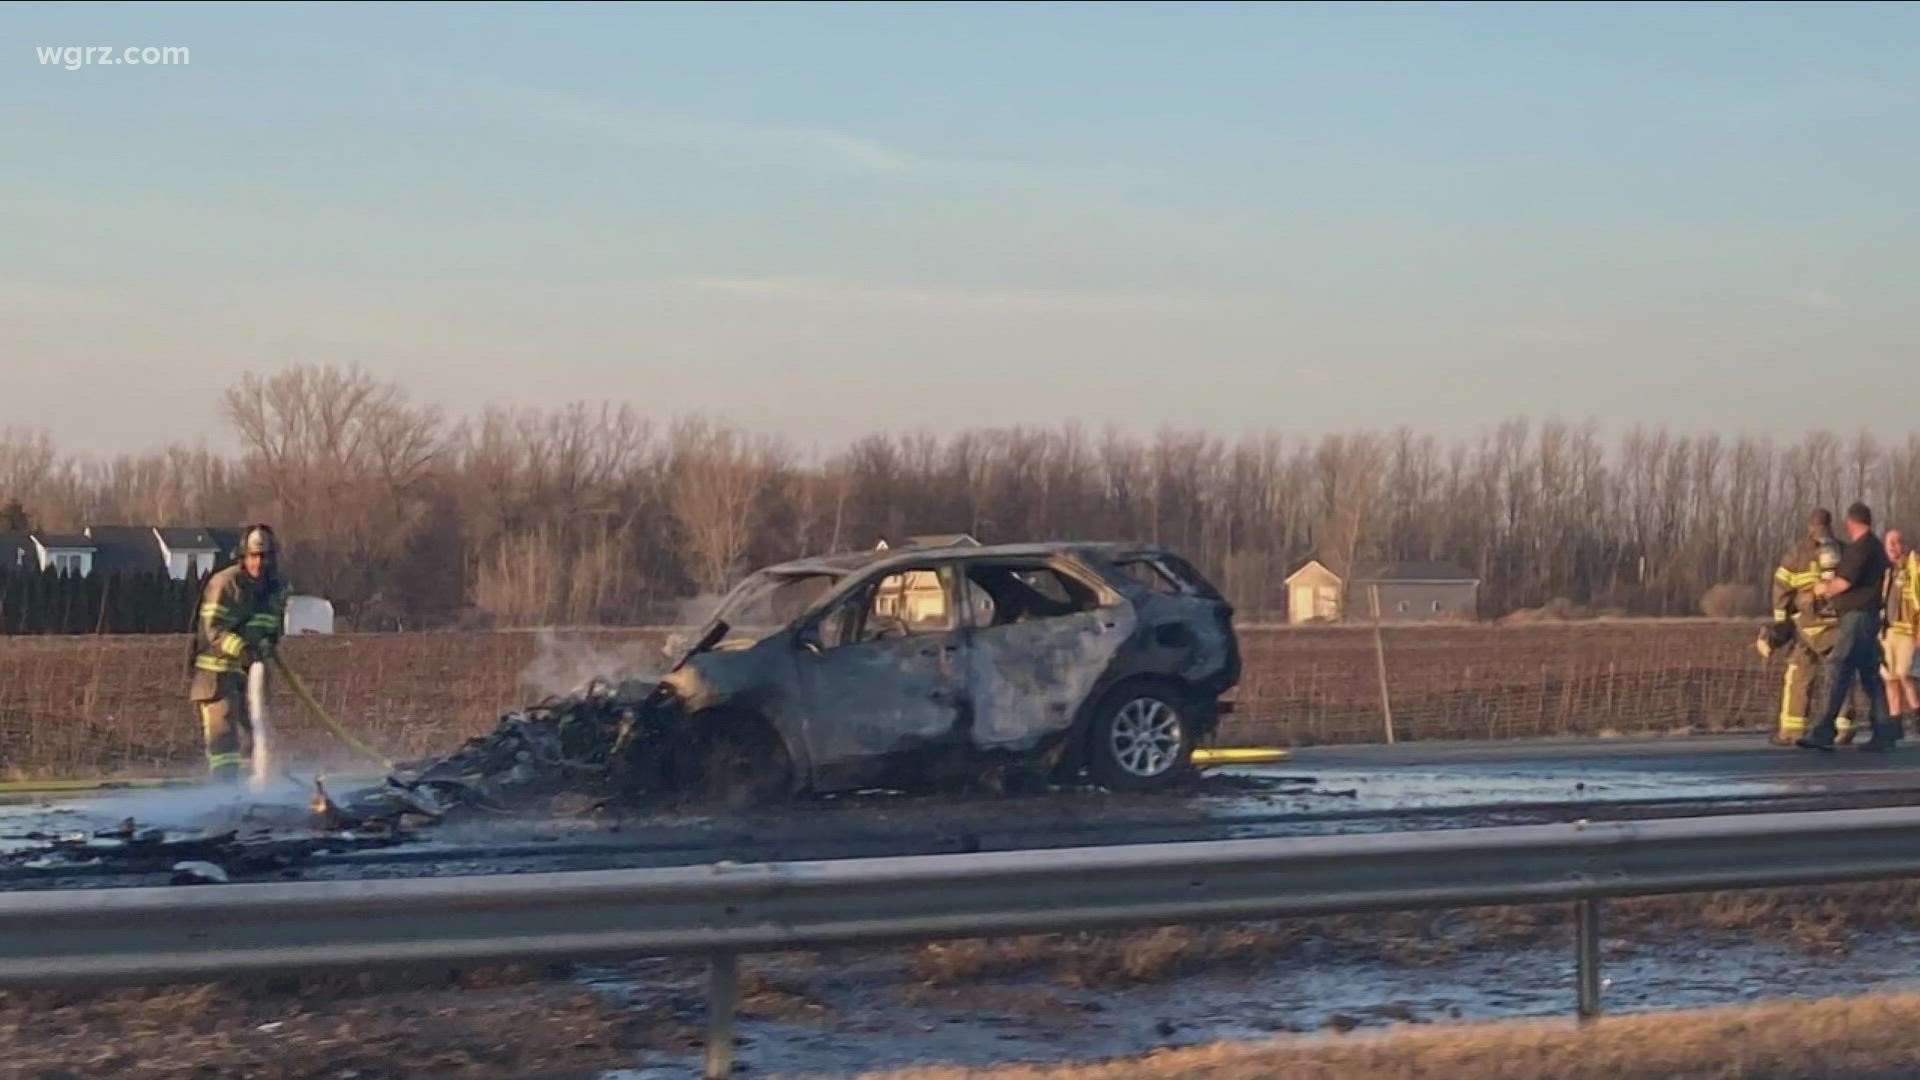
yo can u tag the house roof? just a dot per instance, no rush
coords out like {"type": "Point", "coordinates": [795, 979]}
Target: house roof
{"type": "Point", "coordinates": [928, 540]}
{"type": "Point", "coordinates": [942, 540]}
{"type": "Point", "coordinates": [125, 549]}
{"type": "Point", "coordinates": [16, 550]}
{"type": "Point", "coordinates": [1410, 571]}
{"type": "Point", "coordinates": [63, 541]}
{"type": "Point", "coordinates": [188, 539]}
{"type": "Point", "coordinates": [1308, 565]}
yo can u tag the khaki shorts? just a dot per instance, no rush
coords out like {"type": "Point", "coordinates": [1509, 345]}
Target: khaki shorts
{"type": "Point", "coordinates": [1897, 649]}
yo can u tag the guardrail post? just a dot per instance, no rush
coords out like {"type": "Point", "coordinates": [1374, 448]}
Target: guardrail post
{"type": "Point", "coordinates": [1586, 920]}
{"type": "Point", "coordinates": [723, 997]}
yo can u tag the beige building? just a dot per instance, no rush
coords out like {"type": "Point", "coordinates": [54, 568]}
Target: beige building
{"type": "Point", "coordinates": [917, 596]}
{"type": "Point", "coordinates": [1408, 591]}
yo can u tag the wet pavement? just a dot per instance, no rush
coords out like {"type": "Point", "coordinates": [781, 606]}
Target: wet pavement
{"type": "Point", "coordinates": [1329, 789]}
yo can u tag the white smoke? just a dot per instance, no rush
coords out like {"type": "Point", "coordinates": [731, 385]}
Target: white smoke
{"type": "Point", "coordinates": [692, 616]}
{"type": "Point", "coordinates": [567, 666]}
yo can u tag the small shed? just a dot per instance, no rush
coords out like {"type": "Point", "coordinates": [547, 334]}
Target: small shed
{"type": "Point", "coordinates": [1408, 592]}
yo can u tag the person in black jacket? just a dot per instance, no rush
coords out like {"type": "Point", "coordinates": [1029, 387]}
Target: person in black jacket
{"type": "Point", "coordinates": [1856, 594]}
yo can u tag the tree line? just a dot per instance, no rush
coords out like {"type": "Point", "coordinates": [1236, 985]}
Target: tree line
{"type": "Point", "coordinates": [596, 513]}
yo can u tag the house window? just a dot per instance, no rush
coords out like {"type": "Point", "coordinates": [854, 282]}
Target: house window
{"type": "Point", "coordinates": [67, 565]}
{"type": "Point", "coordinates": [1436, 607]}
{"type": "Point", "coordinates": [1401, 606]}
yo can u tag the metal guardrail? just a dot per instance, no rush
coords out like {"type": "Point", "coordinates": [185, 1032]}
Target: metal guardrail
{"type": "Point", "coordinates": [163, 934]}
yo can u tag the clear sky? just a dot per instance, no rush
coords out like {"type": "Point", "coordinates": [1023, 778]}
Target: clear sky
{"type": "Point", "coordinates": [822, 220]}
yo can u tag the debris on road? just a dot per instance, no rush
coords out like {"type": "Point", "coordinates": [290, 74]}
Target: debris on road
{"type": "Point", "coordinates": [214, 853]}
{"type": "Point", "coordinates": [199, 872]}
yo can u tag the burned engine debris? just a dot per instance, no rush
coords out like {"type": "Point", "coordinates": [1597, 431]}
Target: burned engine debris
{"type": "Point", "coordinates": [576, 745]}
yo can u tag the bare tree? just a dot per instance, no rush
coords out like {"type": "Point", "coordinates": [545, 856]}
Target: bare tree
{"type": "Point", "coordinates": [715, 476]}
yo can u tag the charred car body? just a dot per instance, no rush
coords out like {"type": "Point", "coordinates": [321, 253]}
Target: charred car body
{"type": "Point", "coordinates": [1012, 666]}
{"type": "Point", "coordinates": [923, 668]}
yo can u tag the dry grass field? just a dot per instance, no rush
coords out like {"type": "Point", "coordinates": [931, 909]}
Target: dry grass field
{"type": "Point", "coordinates": [114, 705]}
{"type": "Point", "coordinates": [1854, 1038]}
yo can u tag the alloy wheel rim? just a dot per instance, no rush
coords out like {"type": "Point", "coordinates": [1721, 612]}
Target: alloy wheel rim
{"type": "Point", "coordinates": [1146, 737]}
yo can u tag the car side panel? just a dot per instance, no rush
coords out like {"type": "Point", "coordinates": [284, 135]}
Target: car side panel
{"type": "Point", "coordinates": [1030, 680]}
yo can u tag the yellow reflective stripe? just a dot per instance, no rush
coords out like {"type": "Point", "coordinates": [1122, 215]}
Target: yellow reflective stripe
{"type": "Point", "coordinates": [231, 644]}
{"type": "Point", "coordinates": [215, 761]}
{"type": "Point", "coordinates": [1911, 615]}
{"type": "Point", "coordinates": [264, 622]}
{"type": "Point", "coordinates": [1781, 573]}
{"type": "Point", "coordinates": [206, 662]}
{"type": "Point", "coordinates": [1779, 614]}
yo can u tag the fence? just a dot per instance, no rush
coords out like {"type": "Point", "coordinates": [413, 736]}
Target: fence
{"type": "Point", "coordinates": [117, 936]}
{"type": "Point", "coordinates": [86, 706]}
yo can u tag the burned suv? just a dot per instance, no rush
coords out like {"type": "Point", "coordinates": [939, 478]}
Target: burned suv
{"type": "Point", "coordinates": [922, 667]}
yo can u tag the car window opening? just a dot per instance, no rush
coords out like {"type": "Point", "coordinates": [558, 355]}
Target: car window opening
{"type": "Point", "coordinates": [1151, 575]}
{"type": "Point", "coordinates": [904, 604]}
{"type": "Point", "coordinates": [1003, 595]}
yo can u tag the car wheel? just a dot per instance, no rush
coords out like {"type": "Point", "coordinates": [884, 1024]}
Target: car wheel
{"type": "Point", "coordinates": [1140, 739]}
{"type": "Point", "coordinates": [745, 765]}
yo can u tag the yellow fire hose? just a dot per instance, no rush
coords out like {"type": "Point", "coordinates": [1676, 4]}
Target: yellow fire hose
{"type": "Point", "coordinates": [1207, 757]}
{"type": "Point", "coordinates": [306, 697]}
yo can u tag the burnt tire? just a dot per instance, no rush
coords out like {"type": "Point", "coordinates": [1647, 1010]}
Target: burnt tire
{"type": "Point", "coordinates": [745, 764]}
{"type": "Point", "coordinates": [1141, 738]}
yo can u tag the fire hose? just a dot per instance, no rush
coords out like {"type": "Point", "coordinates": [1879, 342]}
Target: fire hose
{"type": "Point", "coordinates": [300, 690]}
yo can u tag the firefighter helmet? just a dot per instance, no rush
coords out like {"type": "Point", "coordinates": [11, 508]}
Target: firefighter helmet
{"type": "Point", "coordinates": [259, 541]}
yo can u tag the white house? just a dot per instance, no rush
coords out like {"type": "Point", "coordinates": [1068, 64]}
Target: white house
{"type": "Point", "coordinates": [188, 552]}
{"type": "Point", "coordinates": [69, 556]}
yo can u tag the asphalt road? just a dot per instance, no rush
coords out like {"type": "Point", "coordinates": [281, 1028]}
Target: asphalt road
{"type": "Point", "coordinates": [1747, 757]}
{"type": "Point", "coordinates": [1321, 790]}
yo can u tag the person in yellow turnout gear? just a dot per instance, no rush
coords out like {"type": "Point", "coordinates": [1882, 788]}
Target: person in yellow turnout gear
{"type": "Point", "coordinates": [1902, 620]}
{"type": "Point", "coordinates": [242, 614]}
{"type": "Point", "coordinates": [1805, 626]}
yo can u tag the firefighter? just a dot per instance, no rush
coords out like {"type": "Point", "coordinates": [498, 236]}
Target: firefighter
{"type": "Point", "coordinates": [1902, 620]}
{"type": "Point", "coordinates": [1800, 612]}
{"type": "Point", "coordinates": [242, 612]}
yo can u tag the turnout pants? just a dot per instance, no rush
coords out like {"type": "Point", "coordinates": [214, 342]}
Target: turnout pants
{"type": "Point", "coordinates": [1806, 667]}
{"type": "Point", "coordinates": [226, 724]}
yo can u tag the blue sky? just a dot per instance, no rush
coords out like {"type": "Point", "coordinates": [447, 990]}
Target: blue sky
{"type": "Point", "coordinates": [820, 220]}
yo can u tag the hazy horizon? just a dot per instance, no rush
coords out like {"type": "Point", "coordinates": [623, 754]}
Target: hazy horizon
{"type": "Point", "coordinates": [823, 221]}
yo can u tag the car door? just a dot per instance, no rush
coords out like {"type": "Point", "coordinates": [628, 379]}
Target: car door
{"type": "Point", "coordinates": [1042, 639]}
{"type": "Point", "coordinates": [882, 672]}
